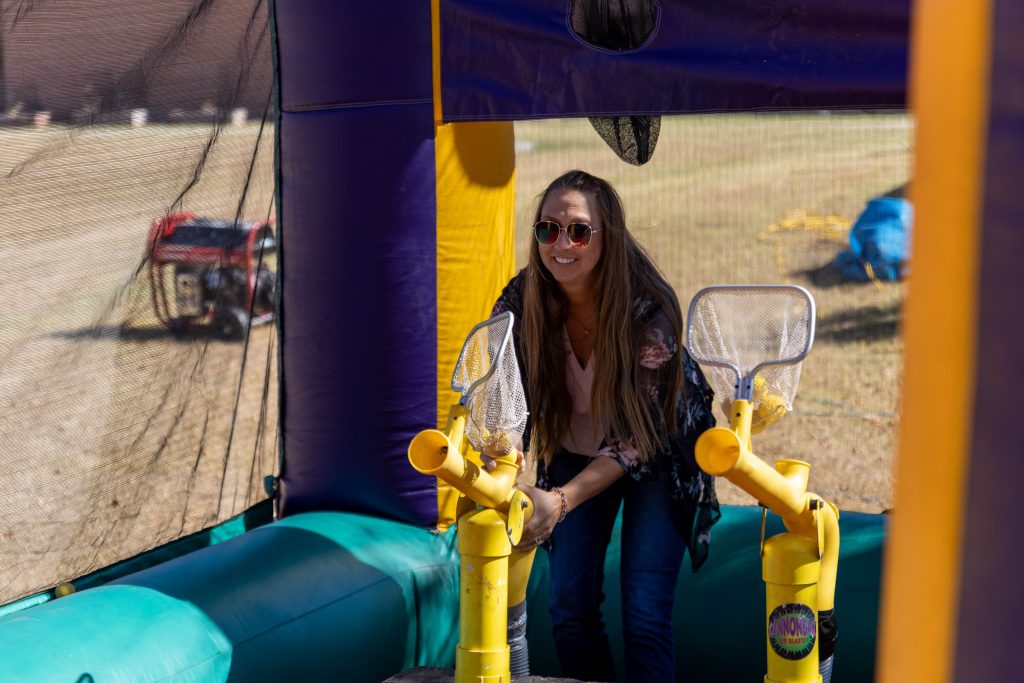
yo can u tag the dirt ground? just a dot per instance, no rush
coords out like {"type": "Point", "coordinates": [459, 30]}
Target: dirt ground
{"type": "Point", "coordinates": [117, 435]}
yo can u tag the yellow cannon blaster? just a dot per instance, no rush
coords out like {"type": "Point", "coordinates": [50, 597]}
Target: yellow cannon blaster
{"type": "Point", "coordinates": [746, 335]}
{"type": "Point", "coordinates": [490, 511]}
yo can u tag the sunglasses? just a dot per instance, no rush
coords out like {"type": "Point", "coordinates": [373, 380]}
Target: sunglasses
{"type": "Point", "coordinates": [578, 234]}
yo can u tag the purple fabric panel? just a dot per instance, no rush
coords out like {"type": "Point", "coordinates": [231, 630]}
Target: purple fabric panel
{"type": "Point", "coordinates": [359, 309]}
{"type": "Point", "coordinates": [991, 598]}
{"type": "Point", "coordinates": [521, 60]}
{"type": "Point", "coordinates": [336, 53]}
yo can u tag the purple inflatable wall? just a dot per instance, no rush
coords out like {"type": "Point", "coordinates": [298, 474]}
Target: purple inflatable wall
{"type": "Point", "coordinates": [358, 323]}
{"type": "Point", "coordinates": [522, 59]}
{"type": "Point", "coordinates": [357, 180]}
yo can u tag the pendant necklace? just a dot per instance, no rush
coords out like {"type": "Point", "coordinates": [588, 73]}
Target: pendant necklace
{"type": "Point", "coordinates": [585, 326]}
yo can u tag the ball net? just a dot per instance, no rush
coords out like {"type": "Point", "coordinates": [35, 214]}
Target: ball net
{"type": "Point", "coordinates": [487, 377]}
{"type": "Point", "coordinates": [737, 332]}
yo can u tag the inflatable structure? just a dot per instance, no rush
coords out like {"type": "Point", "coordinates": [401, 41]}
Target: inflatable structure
{"type": "Point", "coordinates": [393, 205]}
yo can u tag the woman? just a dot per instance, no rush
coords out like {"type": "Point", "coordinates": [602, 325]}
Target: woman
{"type": "Point", "coordinates": [616, 406]}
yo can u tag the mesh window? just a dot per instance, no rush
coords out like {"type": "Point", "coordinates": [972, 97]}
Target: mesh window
{"type": "Point", "coordinates": [619, 25]}
{"type": "Point", "coordinates": [763, 198]}
{"type": "Point", "coordinates": [137, 373]}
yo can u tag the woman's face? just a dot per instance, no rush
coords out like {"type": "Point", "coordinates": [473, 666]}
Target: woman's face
{"type": "Point", "coordinates": [574, 268]}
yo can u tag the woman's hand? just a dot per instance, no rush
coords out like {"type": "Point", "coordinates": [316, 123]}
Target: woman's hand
{"type": "Point", "coordinates": [547, 508]}
{"type": "Point", "coordinates": [489, 463]}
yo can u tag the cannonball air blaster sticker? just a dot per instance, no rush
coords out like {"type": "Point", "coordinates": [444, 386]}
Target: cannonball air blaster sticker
{"type": "Point", "coordinates": [792, 629]}
{"type": "Point", "coordinates": [751, 341]}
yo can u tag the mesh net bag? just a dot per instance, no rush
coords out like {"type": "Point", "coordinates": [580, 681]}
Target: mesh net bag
{"type": "Point", "coordinates": [734, 330]}
{"type": "Point", "coordinates": [620, 26]}
{"type": "Point", "coordinates": [632, 138]}
{"type": "Point", "coordinates": [487, 376]}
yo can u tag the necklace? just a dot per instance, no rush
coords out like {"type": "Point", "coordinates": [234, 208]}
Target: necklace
{"type": "Point", "coordinates": [584, 325]}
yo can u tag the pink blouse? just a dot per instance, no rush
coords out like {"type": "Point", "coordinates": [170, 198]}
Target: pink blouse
{"type": "Point", "coordinates": [584, 437]}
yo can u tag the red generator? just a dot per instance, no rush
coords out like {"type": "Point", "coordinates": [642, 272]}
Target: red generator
{"type": "Point", "coordinates": [212, 274]}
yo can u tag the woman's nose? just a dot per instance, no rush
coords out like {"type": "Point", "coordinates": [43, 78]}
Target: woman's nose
{"type": "Point", "coordinates": [563, 239]}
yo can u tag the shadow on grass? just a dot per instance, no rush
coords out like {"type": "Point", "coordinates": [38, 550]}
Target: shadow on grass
{"type": "Point", "coordinates": [825, 276]}
{"type": "Point", "coordinates": [140, 335]}
{"type": "Point", "coordinates": [828, 275]}
{"type": "Point", "coordinates": [866, 323]}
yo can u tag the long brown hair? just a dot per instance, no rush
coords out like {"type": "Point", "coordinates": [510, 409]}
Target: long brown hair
{"type": "Point", "coordinates": [624, 273]}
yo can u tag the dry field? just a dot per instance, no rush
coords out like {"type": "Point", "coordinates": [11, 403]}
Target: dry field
{"type": "Point", "coordinates": [767, 199]}
{"type": "Point", "coordinates": [118, 436]}
{"type": "Point", "coordinates": [103, 408]}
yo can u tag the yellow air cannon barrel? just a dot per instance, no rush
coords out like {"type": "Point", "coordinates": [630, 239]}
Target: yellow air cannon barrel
{"type": "Point", "coordinates": [490, 417]}
{"type": "Point", "coordinates": [754, 338]}
{"type": "Point", "coordinates": [489, 580]}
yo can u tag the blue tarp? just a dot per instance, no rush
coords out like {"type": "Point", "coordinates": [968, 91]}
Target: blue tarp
{"type": "Point", "coordinates": [880, 239]}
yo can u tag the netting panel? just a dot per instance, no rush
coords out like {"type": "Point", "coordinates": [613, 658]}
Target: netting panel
{"type": "Point", "coordinates": [487, 375]}
{"type": "Point", "coordinates": [124, 429]}
{"type": "Point", "coordinates": [769, 198]}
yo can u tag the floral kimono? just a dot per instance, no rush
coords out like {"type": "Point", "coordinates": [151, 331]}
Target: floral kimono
{"type": "Point", "coordinates": [695, 507]}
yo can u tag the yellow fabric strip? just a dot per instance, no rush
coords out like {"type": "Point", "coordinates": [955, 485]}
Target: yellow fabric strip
{"type": "Point", "coordinates": [475, 235]}
{"type": "Point", "coordinates": [949, 95]}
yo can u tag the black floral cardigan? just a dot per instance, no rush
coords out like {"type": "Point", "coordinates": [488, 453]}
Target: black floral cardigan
{"type": "Point", "coordinates": [693, 491]}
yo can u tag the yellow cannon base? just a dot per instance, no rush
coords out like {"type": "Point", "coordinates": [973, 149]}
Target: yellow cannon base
{"type": "Point", "coordinates": [798, 566]}
{"type": "Point", "coordinates": [492, 576]}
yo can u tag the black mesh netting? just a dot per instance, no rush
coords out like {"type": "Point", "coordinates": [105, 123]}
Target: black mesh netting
{"type": "Point", "coordinates": [137, 352]}
{"type": "Point", "coordinates": [772, 198]}
{"type": "Point", "coordinates": [620, 25]}
{"type": "Point", "coordinates": [614, 24]}
{"type": "Point", "coordinates": [632, 138]}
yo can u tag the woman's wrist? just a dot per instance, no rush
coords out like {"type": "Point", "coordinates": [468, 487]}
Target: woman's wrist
{"type": "Point", "coordinates": [563, 502]}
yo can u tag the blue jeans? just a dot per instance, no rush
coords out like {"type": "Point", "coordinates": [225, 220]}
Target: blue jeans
{"type": "Point", "coordinates": [652, 551]}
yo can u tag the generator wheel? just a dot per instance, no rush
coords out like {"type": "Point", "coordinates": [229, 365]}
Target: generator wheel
{"type": "Point", "coordinates": [231, 323]}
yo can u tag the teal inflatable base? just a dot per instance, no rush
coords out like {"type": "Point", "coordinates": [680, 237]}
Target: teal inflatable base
{"type": "Point", "coordinates": [720, 610]}
{"type": "Point", "coordinates": [343, 597]}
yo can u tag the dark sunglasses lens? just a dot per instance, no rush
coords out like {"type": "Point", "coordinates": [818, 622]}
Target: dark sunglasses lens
{"type": "Point", "coordinates": [546, 232]}
{"type": "Point", "coordinates": [579, 234]}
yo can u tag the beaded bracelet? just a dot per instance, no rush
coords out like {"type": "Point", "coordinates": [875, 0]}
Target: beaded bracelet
{"type": "Point", "coordinates": [565, 502]}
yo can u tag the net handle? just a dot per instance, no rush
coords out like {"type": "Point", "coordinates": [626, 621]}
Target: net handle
{"type": "Point", "coordinates": [494, 364]}
{"type": "Point", "coordinates": [745, 383]}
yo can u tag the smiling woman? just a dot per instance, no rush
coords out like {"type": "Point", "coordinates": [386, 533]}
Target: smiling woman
{"type": "Point", "coordinates": [616, 405]}
{"type": "Point", "coordinates": [571, 260]}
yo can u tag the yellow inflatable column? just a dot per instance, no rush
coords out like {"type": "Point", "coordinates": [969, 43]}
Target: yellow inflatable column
{"type": "Point", "coordinates": [475, 235]}
{"type": "Point", "coordinates": [475, 170]}
{"type": "Point", "coordinates": [922, 586]}
{"type": "Point", "coordinates": [476, 184]}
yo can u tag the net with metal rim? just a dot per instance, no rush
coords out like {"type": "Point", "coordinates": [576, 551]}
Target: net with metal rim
{"type": "Point", "coordinates": [487, 376]}
{"type": "Point", "coordinates": [739, 330]}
